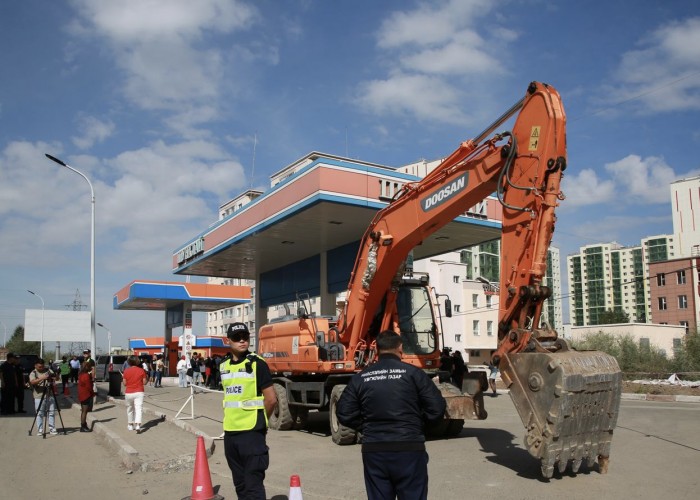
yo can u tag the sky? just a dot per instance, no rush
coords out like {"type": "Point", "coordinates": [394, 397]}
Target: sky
{"type": "Point", "coordinates": [173, 107]}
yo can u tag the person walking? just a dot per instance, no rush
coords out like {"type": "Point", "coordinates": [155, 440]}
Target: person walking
{"type": "Point", "coordinates": [65, 369]}
{"type": "Point", "coordinates": [249, 400]}
{"type": "Point", "coordinates": [160, 368]}
{"type": "Point", "coordinates": [134, 379]}
{"type": "Point", "coordinates": [391, 402]}
{"type": "Point", "coordinates": [493, 374]}
{"type": "Point", "coordinates": [74, 369]}
{"type": "Point", "coordinates": [85, 394]}
{"type": "Point", "coordinates": [182, 371]}
{"type": "Point", "coordinates": [40, 379]}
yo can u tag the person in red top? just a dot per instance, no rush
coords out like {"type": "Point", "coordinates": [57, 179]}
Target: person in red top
{"type": "Point", "coordinates": [85, 394]}
{"type": "Point", "coordinates": [134, 378]}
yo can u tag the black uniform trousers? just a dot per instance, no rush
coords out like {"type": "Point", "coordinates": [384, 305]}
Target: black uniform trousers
{"type": "Point", "coordinates": [248, 458]}
{"type": "Point", "coordinates": [396, 474]}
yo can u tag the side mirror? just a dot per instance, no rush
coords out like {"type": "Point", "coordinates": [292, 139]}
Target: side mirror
{"type": "Point", "coordinates": [448, 308]}
{"type": "Point", "coordinates": [320, 339]}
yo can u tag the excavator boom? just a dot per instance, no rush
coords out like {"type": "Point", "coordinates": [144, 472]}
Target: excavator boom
{"type": "Point", "coordinates": [567, 400]}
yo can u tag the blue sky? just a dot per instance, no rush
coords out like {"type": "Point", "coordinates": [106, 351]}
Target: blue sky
{"type": "Point", "coordinates": [158, 102]}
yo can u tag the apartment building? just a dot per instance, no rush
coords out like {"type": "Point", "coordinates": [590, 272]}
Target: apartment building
{"type": "Point", "coordinates": [609, 276]}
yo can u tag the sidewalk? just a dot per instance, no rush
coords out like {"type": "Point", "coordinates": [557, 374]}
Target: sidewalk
{"type": "Point", "coordinates": [161, 444]}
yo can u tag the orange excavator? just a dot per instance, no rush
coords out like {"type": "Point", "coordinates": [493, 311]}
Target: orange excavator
{"type": "Point", "coordinates": [567, 400]}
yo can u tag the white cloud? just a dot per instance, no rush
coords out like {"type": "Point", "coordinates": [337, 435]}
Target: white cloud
{"type": "Point", "coordinates": [642, 180]}
{"type": "Point", "coordinates": [426, 97]}
{"type": "Point", "coordinates": [147, 201]}
{"type": "Point", "coordinates": [668, 56]}
{"type": "Point", "coordinates": [440, 56]}
{"type": "Point", "coordinates": [585, 188]}
{"type": "Point", "coordinates": [92, 131]}
{"type": "Point", "coordinates": [159, 46]}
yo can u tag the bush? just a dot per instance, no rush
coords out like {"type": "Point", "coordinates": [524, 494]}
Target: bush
{"type": "Point", "coordinates": [626, 350]}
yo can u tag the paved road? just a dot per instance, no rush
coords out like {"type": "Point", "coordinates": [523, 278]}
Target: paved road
{"type": "Point", "coordinates": [656, 450]}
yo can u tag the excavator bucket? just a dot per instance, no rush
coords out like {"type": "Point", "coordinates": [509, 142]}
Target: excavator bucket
{"type": "Point", "coordinates": [461, 406]}
{"type": "Point", "coordinates": [568, 402]}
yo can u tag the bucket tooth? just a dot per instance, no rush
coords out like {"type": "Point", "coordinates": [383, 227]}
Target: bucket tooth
{"type": "Point", "coordinates": [568, 401]}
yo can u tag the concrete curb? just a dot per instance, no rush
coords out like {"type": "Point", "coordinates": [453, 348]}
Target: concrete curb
{"type": "Point", "coordinates": [629, 396]}
{"type": "Point", "coordinates": [129, 456]}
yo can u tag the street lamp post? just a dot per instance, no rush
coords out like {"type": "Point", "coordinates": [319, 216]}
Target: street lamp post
{"type": "Point", "coordinates": [41, 345]}
{"type": "Point", "coordinates": [109, 339]}
{"type": "Point", "coordinates": [92, 250]}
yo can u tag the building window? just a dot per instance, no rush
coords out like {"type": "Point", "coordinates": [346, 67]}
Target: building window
{"type": "Point", "coordinates": [455, 279]}
{"type": "Point", "coordinates": [661, 279]}
{"type": "Point", "coordinates": [456, 308]}
{"type": "Point", "coordinates": [458, 337]}
{"type": "Point", "coordinates": [682, 302]}
{"type": "Point", "coordinates": [685, 324]}
{"type": "Point", "coordinates": [644, 343]}
{"type": "Point", "coordinates": [475, 327]}
{"type": "Point", "coordinates": [489, 328]}
{"type": "Point", "coordinates": [475, 353]}
{"type": "Point", "coordinates": [662, 303]}
{"type": "Point", "coordinates": [488, 301]}
{"type": "Point", "coordinates": [475, 300]}
{"type": "Point", "coordinates": [680, 275]}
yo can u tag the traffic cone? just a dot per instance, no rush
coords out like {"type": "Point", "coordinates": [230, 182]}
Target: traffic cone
{"type": "Point", "coordinates": [295, 488]}
{"type": "Point", "coordinates": [201, 481]}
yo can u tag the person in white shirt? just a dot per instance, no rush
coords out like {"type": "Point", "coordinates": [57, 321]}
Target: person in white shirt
{"type": "Point", "coordinates": [181, 368]}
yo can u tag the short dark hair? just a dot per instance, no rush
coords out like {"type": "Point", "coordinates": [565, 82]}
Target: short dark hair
{"type": "Point", "coordinates": [388, 340]}
{"type": "Point", "coordinates": [133, 361]}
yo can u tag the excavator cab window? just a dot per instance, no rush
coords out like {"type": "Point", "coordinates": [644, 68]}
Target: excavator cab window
{"type": "Point", "coordinates": [416, 320]}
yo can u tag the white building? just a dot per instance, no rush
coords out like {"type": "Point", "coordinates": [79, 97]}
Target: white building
{"type": "Point", "coordinates": [665, 337]}
{"type": "Point", "coordinates": [685, 208]}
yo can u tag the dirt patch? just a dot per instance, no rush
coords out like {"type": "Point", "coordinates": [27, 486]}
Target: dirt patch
{"type": "Point", "coordinates": [665, 389]}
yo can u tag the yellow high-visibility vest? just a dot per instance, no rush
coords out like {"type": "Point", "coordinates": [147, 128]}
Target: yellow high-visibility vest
{"type": "Point", "coordinates": [241, 400]}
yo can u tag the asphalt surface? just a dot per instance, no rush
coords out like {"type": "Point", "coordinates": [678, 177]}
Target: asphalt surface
{"type": "Point", "coordinates": [656, 449]}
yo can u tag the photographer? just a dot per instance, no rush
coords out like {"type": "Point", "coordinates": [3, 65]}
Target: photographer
{"type": "Point", "coordinates": [41, 379]}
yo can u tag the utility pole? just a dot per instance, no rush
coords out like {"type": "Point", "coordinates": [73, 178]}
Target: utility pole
{"type": "Point", "coordinates": [76, 305]}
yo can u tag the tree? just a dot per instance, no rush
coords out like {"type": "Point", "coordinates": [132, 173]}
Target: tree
{"type": "Point", "coordinates": [613, 317]}
{"type": "Point", "coordinates": [18, 345]}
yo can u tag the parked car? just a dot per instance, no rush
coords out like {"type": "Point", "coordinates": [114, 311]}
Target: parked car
{"type": "Point", "coordinates": [106, 364]}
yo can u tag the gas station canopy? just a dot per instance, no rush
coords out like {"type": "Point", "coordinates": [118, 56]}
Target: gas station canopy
{"type": "Point", "coordinates": [163, 295]}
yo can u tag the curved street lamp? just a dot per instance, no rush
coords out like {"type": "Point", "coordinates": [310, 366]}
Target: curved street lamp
{"type": "Point", "coordinates": [92, 250]}
{"type": "Point", "coordinates": [41, 345]}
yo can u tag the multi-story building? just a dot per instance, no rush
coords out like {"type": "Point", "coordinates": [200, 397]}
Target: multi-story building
{"type": "Point", "coordinates": [608, 276]}
{"type": "Point", "coordinates": [675, 287]}
{"type": "Point", "coordinates": [685, 203]}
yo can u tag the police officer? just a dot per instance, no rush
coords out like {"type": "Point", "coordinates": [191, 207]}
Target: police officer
{"type": "Point", "coordinates": [390, 402]}
{"type": "Point", "coordinates": [249, 399]}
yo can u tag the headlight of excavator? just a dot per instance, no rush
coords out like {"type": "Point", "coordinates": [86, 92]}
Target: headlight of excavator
{"type": "Point", "coordinates": [338, 366]}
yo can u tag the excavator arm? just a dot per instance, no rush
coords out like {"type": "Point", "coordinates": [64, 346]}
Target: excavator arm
{"type": "Point", "coordinates": [567, 400]}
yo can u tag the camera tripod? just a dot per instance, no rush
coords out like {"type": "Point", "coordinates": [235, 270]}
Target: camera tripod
{"type": "Point", "coordinates": [49, 388]}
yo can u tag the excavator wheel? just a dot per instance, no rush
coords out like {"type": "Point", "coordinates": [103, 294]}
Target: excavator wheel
{"type": "Point", "coordinates": [568, 401]}
{"type": "Point", "coordinates": [281, 418]}
{"type": "Point", "coordinates": [340, 434]}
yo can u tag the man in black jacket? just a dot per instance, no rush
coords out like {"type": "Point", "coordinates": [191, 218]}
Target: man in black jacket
{"type": "Point", "coordinates": [390, 402]}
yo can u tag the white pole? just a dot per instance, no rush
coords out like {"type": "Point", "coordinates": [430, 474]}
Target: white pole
{"type": "Point", "coordinates": [92, 251]}
{"type": "Point", "coordinates": [41, 345]}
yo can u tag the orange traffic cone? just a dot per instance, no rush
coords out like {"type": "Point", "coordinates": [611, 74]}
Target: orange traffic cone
{"type": "Point", "coordinates": [295, 488]}
{"type": "Point", "coordinates": [201, 482]}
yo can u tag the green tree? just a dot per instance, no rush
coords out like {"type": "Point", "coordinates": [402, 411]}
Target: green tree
{"type": "Point", "coordinates": [630, 355]}
{"type": "Point", "coordinates": [687, 358]}
{"type": "Point", "coordinates": [18, 345]}
{"type": "Point", "coordinates": [613, 317]}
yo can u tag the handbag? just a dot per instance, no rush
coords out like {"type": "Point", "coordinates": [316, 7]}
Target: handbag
{"type": "Point", "coordinates": [190, 372]}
